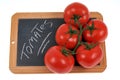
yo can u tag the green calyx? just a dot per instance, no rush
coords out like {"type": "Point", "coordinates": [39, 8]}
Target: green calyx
{"type": "Point", "coordinates": [71, 31]}
{"type": "Point", "coordinates": [91, 28]}
{"type": "Point", "coordinates": [89, 46]}
{"type": "Point", "coordinates": [76, 18]}
{"type": "Point", "coordinates": [65, 51]}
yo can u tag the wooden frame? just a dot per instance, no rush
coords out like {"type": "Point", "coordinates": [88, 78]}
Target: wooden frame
{"type": "Point", "coordinates": [42, 69]}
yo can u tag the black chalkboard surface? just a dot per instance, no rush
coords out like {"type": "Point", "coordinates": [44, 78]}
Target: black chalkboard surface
{"type": "Point", "coordinates": [35, 36]}
{"type": "Point", "coordinates": [31, 36]}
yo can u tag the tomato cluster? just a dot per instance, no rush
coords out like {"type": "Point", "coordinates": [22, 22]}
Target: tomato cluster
{"type": "Point", "coordinates": [79, 36]}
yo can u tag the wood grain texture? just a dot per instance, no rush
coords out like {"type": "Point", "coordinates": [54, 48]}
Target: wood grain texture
{"type": "Point", "coordinates": [42, 69]}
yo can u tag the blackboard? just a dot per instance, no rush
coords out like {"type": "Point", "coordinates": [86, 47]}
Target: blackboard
{"type": "Point", "coordinates": [35, 37]}
{"type": "Point", "coordinates": [31, 36]}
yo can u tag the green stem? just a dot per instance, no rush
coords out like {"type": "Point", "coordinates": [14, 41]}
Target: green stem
{"type": "Point", "coordinates": [79, 41]}
{"type": "Point", "coordinates": [88, 46]}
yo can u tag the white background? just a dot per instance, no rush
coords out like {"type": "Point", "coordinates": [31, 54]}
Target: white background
{"type": "Point", "coordinates": [108, 8]}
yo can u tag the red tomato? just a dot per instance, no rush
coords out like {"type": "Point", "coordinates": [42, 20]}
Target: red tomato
{"type": "Point", "coordinates": [67, 35]}
{"type": "Point", "coordinates": [57, 62]}
{"type": "Point", "coordinates": [89, 58]}
{"type": "Point", "coordinates": [96, 32]}
{"type": "Point", "coordinates": [76, 12]}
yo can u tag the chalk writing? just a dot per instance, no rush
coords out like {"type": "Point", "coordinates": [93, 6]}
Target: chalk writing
{"type": "Point", "coordinates": [45, 46]}
{"type": "Point", "coordinates": [36, 34]}
{"type": "Point", "coordinates": [23, 53]}
{"type": "Point", "coordinates": [43, 42]}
